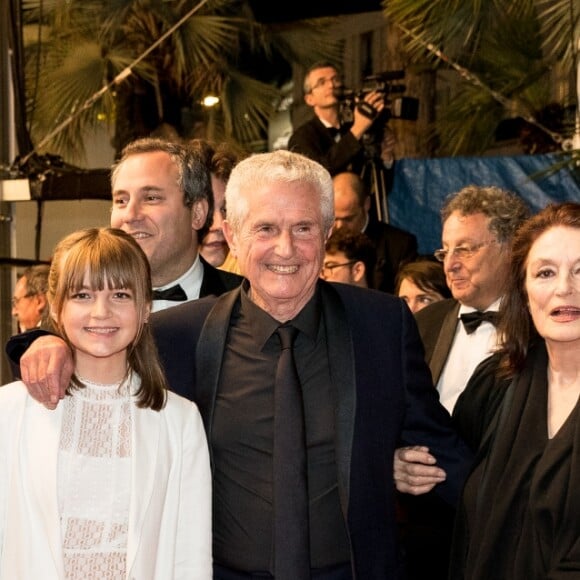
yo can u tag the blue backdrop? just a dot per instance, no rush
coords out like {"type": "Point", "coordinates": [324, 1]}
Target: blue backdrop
{"type": "Point", "coordinates": [420, 187]}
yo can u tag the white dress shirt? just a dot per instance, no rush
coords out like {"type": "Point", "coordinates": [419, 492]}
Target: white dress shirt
{"type": "Point", "coordinates": [190, 282]}
{"type": "Point", "coordinates": [467, 351]}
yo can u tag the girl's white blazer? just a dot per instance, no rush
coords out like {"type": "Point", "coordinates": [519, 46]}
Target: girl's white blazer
{"type": "Point", "coordinates": [170, 510]}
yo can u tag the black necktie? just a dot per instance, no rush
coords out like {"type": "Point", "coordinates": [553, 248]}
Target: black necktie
{"type": "Point", "coordinates": [471, 320]}
{"type": "Point", "coordinates": [175, 293]}
{"type": "Point", "coordinates": [291, 536]}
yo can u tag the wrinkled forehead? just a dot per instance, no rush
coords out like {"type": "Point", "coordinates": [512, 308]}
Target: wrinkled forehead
{"type": "Point", "coordinates": [459, 226]}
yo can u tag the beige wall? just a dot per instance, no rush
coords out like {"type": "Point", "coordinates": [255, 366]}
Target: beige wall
{"type": "Point", "coordinates": [59, 219]}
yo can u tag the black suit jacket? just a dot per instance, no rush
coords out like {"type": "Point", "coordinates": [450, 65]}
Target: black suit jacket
{"type": "Point", "coordinates": [394, 247]}
{"type": "Point", "coordinates": [215, 282]}
{"type": "Point", "coordinates": [315, 141]}
{"type": "Point", "coordinates": [437, 324]}
{"type": "Point", "coordinates": [385, 398]}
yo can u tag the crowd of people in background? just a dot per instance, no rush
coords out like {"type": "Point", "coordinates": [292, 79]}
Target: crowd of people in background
{"type": "Point", "coordinates": [368, 412]}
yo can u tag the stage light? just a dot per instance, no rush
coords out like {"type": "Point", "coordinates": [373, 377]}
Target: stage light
{"type": "Point", "coordinates": [210, 101]}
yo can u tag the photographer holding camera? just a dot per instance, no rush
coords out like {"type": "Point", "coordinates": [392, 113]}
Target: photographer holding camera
{"type": "Point", "coordinates": [336, 145]}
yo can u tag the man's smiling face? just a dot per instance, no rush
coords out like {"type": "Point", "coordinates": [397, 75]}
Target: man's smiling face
{"type": "Point", "coordinates": [149, 205]}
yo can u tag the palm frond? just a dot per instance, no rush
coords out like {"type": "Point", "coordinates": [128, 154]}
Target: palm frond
{"type": "Point", "coordinates": [306, 42]}
{"type": "Point", "coordinates": [560, 20]}
{"type": "Point", "coordinates": [65, 90]}
{"type": "Point", "coordinates": [248, 104]}
{"type": "Point", "coordinates": [81, 46]}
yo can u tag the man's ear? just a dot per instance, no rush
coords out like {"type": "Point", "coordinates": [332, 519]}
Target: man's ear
{"type": "Point", "coordinates": [308, 99]}
{"type": "Point", "coordinates": [42, 301]}
{"type": "Point", "coordinates": [199, 212]}
{"type": "Point", "coordinates": [329, 233]}
{"type": "Point", "coordinates": [358, 271]}
{"type": "Point", "coordinates": [367, 204]}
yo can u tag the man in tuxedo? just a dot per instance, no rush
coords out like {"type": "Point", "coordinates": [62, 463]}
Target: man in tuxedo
{"type": "Point", "coordinates": [394, 246]}
{"type": "Point", "coordinates": [359, 369]}
{"type": "Point", "coordinates": [162, 197]}
{"type": "Point", "coordinates": [325, 138]}
{"type": "Point", "coordinates": [478, 226]}
{"type": "Point", "coordinates": [458, 333]}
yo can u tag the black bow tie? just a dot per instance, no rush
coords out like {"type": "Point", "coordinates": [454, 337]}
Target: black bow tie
{"type": "Point", "coordinates": [175, 293]}
{"type": "Point", "coordinates": [471, 320]}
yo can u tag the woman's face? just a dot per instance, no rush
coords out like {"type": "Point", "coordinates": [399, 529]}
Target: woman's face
{"type": "Point", "coordinates": [553, 284]}
{"type": "Point", "coordinates": [415, 297]}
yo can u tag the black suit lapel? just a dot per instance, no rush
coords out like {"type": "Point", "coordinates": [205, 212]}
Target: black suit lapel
{"type": "Point", "coordinates": [210, 352]}
{"type": "Point", "coordinates": [215, 282]}
{"type": "Point", "coordinates": [342, 373]}
{"type": "Point", "coordinates": [210, 283]}
{"type": "Point", "coordinates": [444, 342]}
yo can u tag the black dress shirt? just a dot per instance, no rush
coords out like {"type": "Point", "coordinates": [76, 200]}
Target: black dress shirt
{"type": "Point", "coordinates": [242, 440]}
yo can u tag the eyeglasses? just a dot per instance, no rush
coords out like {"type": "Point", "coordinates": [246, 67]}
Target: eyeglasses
{"type": "Point", "coordinates": [335, 81]}
{"type": "Point", "coordinates": [461, 252]}
{"type": "Point", "coordinates": [16, 300]}
{"type": "Point", "coordinates": [329, 266]}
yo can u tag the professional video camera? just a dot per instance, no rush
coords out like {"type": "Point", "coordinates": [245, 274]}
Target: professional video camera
{"type": "Point", "coordinates": [396, 107]}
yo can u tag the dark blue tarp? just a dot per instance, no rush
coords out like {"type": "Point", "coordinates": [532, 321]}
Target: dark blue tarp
{"type": "Point", "coordinates": [421, 185]}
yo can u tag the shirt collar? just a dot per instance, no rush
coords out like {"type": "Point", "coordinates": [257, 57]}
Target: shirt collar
{"type": "Point", "coordinates": [493, 307]}
{"type": "Point", "coordinates": [190, 281]}
{"type": "Point", "coordinates": [307, 321]}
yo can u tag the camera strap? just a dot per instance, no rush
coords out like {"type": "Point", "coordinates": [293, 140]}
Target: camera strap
{"type": "Point", "coordinates": [367, 110]}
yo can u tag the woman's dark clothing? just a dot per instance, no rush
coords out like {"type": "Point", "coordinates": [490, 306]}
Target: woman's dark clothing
{"type": "Point", "coordinates": [519, 517]}
{"type": "Point", "coordinates": [477, 405]}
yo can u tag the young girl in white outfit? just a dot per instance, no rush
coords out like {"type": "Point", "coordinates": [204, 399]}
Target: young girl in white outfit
{"type": "Point", "coordinates": [115, 483]}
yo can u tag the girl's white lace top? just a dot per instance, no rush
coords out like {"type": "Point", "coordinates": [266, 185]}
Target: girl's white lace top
{"type": "Point", "coordinates": [94, 481]}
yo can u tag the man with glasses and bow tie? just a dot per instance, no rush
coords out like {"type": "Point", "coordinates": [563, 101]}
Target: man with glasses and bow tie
{"type": "Point", "coordinates": [458, 333]}
{"type": "Point", "coordinates": [478, 226]}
